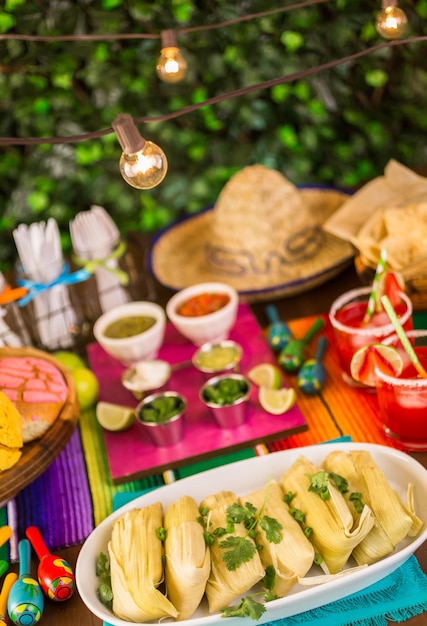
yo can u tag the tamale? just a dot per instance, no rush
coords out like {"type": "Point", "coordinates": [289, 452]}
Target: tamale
{"type": "Point", "coordinates": [135, 554]}
{"type": "Point", "coordinates": [293, 555]}
{"type": "Point", "coordinates": [334, 534]}
{"type": "Point", "coordinates": [187, 557]}
{"type": "Point", "coordinates": [393, 521]}
{"type": "Point", "coordinates": [377, 543]}
{"type": "Point", "coordinates": [225, 585]}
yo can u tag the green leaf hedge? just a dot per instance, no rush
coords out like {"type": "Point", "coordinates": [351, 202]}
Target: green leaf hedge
{"type": "Point", "coordinates": [337, 127]}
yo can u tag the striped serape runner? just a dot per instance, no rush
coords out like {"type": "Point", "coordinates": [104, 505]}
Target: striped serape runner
{"type": "Point", "coordinates": [76, 492]}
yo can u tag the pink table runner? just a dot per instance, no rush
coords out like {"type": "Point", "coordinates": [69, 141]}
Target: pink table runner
{"type": "Point", "coordinates": [131, 455]}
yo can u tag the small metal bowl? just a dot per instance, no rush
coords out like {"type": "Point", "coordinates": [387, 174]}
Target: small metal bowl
{"type": "Point", "coordinates": [213, 358]}
{"type": "Point", "coordinates": [227, 415]}
{"type": "Point", "coordinates": [165, 433]}
{"type": "Point", "coordinates": [146, 376]}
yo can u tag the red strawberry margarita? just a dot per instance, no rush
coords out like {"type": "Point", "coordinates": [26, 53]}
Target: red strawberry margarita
{"type": "Point", "coordinates": [351, 332]}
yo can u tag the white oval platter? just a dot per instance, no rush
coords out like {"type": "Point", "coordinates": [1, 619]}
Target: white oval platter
{"type": "Point", "coordinates": [243, 477]}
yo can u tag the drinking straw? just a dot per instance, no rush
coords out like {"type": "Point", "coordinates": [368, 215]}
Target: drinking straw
{"type": "Point", "coordinates": [374, 292]}
{"type": "Point", "coordinates": [402, 336]}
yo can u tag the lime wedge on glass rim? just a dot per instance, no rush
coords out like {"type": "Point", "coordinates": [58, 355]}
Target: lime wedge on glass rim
{"type": "Point", "coordinates": [277, 401]}
{"type": "Point", "coordinates": [114, 417]}
{"type": "Point", "coordinates": [369, 360]}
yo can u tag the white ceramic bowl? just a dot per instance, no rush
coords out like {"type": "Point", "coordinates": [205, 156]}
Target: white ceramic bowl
{"type": "Point", "coordinates": [210, 328]}
{"type": "Point", "coordinates": [141, 347]}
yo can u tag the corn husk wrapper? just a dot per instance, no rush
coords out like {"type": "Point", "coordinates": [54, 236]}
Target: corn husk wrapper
{"type": "Point", "coordinates": [136, 566]}
{"type": "Point", "coordinates": [224, 585]}
{"type": "Point", "coordinates": [393, 520]}
{"type": "Point", "coordinates": [293, 556]}
{"type": "Point", "coordinates": [334, 533]}
{"type": "Point", "coordinates": [417, 522]}
{"type": "Point", "coordinates": [187, 557]}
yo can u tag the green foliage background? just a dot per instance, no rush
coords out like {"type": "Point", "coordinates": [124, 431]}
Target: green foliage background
{"type": "Point", "coordinates": [338, 127]}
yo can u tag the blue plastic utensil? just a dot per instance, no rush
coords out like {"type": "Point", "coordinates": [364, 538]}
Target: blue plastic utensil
{"type": "Point", "coordinates": [312, 375]}
{"type": "Point", "coordinates": [292, 356]}
{"type": "Point", "coordinates": [278, 333]}
{"type": "Point", "coordinates": [25, 603]}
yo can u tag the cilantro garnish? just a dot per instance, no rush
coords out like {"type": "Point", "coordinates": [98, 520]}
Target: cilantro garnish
{"type": "Point", "coordinates": [356, 498]}
{"type": "Point", "coordinates": [209, 538]}
{"type": "Point", "coordinates": [161, 533]}
{"type": "Point", "coordinates": [104, 590]}
{"type": "Point", "coordinates": [340, 482]}
{"type": "Point", "coordinates": [269, 579]}
{"type": "Point", "coordinates": [297, 514]}
{"type": "Point", "coordinates": [238, 513]}
{"type": "Point", "coordinates": [272, 529]}
{"type": "Point", "coordinates": [319, 483]}
{"type": "Point", "coordinates": [288, 497]}
{"type": "Point", "coordinates": [247, 607]}
{"type": "Point", "coordinates": [238, 550]}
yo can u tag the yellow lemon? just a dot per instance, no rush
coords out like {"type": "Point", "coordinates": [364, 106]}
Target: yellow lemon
{"type": "Point", "coordinates": [277, 401]}
{"type": "Point", "coordinates": [114, 417]}
{"type": "Point", "coordinates": [266, 375]}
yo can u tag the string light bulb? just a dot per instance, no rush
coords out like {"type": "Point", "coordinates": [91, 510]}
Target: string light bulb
{"type": "Point", "coordinates": [142, 164]}
{"type": "Point", "coordinates": [391, 21]}
{"type": "Point", "coordinates": [171, 66]}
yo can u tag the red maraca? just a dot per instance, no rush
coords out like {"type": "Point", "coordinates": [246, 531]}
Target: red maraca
{"type": "Point", "coordinates": [55, 575]}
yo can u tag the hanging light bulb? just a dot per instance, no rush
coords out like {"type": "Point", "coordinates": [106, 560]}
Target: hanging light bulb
{"type": "Point", "coordinates": [391, 21]}
{"type": "Point", "coordinates": [171, 66]}
{"type": "Point", "coordinates": [142, 164]}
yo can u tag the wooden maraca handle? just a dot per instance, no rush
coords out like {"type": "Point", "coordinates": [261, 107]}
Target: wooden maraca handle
{"type": "Point", "coordinates": [10, 579]}
{"type": "Point", "coordinates": [317, 325]}
{"type": "Point", "coordinates": [37, 541]}
{"type": "Point", "coordinates": [24, 552]}
{"type": "Point", "coordinates": [5, 534]}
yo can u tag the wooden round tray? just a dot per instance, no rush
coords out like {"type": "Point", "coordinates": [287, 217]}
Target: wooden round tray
{"type": "Point", "coordinates": [39, 454]}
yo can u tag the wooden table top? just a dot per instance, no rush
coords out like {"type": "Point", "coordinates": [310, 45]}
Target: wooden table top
{"type": "Point", "coordinates": [317, 301]}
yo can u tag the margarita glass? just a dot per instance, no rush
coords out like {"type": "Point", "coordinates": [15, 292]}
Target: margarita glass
{"type": "Point", "coordinates": [403, 399]}
{"type": "Point", "coordinates": [351, 333]}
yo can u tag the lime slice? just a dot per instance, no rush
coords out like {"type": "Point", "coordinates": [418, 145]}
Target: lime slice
{"type": "Point", "coordinates": [266, 375]}
{"type": "Point", "coordinates": [276, 401]}
{"type": "Point", "coordinates": [114, 417]}
{"type": "Point", "coordinates": [367, 361]}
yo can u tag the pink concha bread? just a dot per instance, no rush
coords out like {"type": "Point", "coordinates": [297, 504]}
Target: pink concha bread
{"type": "Point", "coordinates": [38, 390]}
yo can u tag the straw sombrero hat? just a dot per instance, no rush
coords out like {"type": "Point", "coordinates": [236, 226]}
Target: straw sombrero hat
{"type": "Point", "coordinates": [263, 236]}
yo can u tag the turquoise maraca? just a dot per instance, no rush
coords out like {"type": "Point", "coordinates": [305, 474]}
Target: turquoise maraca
{"type": "Point", "coordinates": [292, 356]}
{"type": "Point", "coordinates": [26, 602]}
{"type": "Point", "coordinates": [278, 333]}
{"type": "Point", "coordinates": [312, 375]}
